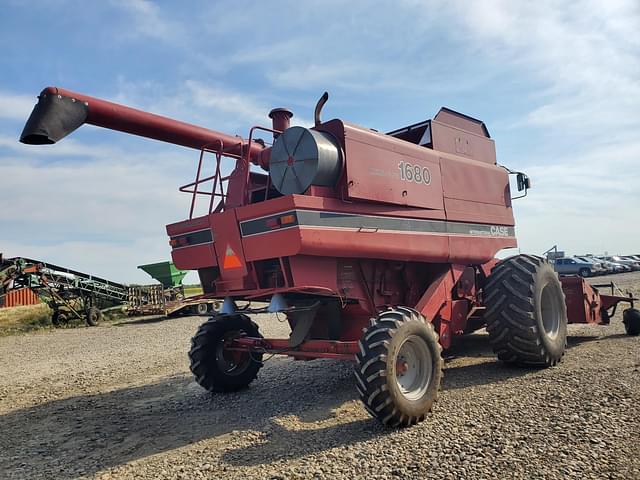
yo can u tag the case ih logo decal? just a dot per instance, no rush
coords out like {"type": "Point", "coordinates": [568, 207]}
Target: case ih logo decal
{"type": "Point", "coordinates": [499, 231]}
{"type": "Point", "coordinates": [414, 173]}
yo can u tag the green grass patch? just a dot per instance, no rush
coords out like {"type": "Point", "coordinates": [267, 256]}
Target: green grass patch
{"type": "Point", "coordinates": [192, 290]}
{"type": "Point", "coordinates": [24, 319]}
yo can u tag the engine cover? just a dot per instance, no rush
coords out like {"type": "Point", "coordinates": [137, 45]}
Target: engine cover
{"type": "Point", "coordinates": [301, 157]}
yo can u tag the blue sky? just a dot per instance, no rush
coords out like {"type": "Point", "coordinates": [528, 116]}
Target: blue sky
{"type": "Point", "coordinates": [558, 84]}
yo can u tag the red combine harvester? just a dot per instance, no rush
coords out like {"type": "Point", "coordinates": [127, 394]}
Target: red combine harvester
{"type": "Point", "coordinates": [378, 248]}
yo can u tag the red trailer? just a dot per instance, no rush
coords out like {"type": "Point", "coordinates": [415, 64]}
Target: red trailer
{"type": "Point", "coordinates": [378, 248]}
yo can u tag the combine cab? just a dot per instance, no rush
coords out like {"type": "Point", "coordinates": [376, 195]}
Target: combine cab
{"type": "Point", "coordinates": [378, 248]}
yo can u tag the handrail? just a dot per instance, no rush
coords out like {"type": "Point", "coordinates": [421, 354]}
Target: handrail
{"type": "Point", "coordinates": [218, 148]}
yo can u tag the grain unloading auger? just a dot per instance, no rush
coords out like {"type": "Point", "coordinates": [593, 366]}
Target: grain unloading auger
{"type": "Point", "coordinates": [378, 248]}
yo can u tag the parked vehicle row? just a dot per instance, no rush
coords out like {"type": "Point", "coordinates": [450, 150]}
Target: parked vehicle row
{"type": "Point", "coordinates": [591, 265]}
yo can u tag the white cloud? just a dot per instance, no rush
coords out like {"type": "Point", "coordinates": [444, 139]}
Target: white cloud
{"type": "Point", "coordinates": [66, 148]}
{"type": "Point", "coordinates": [104, 212]}
{"type": "Point", "coordinates": [221, 108]}
{"type": "Point", "coordinates": [15, 106]}
{"type": "Point", "coordinates": [227, 102]}
{"type": "Point", "coordinates": [582, 151]}
{"type": "Point", "coordinates": [583, 55]}
{"type": "Point", "coordinates": [147, 20]}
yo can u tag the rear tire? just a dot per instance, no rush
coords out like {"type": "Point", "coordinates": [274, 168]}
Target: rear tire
{"type": "Point", "coordinates": [631, 320]}
{"type": "Point", "coordinates": [215, 369]}
{"type": "Point", "coordinates": [93, 317]}
{"type": "Point", "coordinates": [526, 313]}
{"type": "Point", "coordinates": [399, 367]}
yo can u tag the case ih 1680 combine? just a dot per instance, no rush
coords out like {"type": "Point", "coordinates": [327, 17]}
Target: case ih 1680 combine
{"type": "Point", "coordinates": [378, 248]}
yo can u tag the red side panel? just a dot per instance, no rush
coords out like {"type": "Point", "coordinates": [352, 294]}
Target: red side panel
{"type": "Point", "coordinates": [476, 250]}
{"type": "Point", "coordinates": [19, 297]}
{"type": "Point", "coordinates": [374, 244]}
{"type": "Point", "coordinates": [476, 192]}
{"type": "Point", "coordinates": [448, 138]}
{"type": "Point", "coordinates": [475, 182]}
{"type": "Point", "coordinates": [192, 257]}
{"type": "Point", "coordinates": [468, 211]}
{"type": "Point", "coordinates": [188, 226]}
{"type": "Point", "coordinates": [195, 257]}
{"type": "Point", "coordinates": [314, 271]}
{"type": "Point", "coordinates": [583, 302]}
{"type": "Point", "coordinates": [279, 243]}
{"type": "Point", "coordinates": [384, 169]}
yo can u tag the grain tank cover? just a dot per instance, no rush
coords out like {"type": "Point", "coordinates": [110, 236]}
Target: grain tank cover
{"type": "Point", "coordinates": [165, 272]}
{"type": "Point", "coordinates": [301, 157]}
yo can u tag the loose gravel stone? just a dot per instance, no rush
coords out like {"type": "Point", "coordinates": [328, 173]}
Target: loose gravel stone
{"type": "Point", "coordinates": [118, 402]}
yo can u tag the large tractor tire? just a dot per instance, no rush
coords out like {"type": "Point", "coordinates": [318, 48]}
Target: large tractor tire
{"type": "Point", "coordinates": [526, 313]}
{"type": "Point", "coordinates": [216, 369]}
{"type": "Point", "coordinates": [631, 320]}
{"type": "Point", "coordinates": [399, 367]}
{"type": "Point", "coordinates": [93, 317]}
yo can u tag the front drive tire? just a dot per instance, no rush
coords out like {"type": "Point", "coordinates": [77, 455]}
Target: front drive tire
{"type": "Point", "coordinates": [218, 370]}
{"type": "Point", "coordinates": [399, 367]}
{"type": "Point", "coordinates": [526, 313]}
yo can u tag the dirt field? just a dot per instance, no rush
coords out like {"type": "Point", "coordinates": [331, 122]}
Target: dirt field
{"type": "Point", "coordinates": [118, 401]}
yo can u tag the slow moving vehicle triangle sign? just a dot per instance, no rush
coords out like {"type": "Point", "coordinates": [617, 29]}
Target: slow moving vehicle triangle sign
{"type": "Point", "coordinates": [231, 260]}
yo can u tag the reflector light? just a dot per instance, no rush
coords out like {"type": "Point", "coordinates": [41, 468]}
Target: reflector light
{"type": "Point", "coordinates": [179, 242]}
{"type": "Point", "coordinates": [287, 219]}
{"type": "Point", "coordinates": [272, 222]}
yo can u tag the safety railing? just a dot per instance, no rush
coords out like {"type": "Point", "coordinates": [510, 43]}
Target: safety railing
{"type": "Point", "coordinates": [219, 181]}
{"type": "Point", "coordinates": [218, 188]}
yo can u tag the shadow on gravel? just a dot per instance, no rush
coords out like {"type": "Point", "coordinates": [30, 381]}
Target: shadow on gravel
{"type": "Point", "coordinates": [577, 340]}
{"type": "Point", "coordinates": [492, 370]}
{"type": "Point", "coordinates": [142, 321]}
{"type": "Point", "coordinates": [482, 374]}
{"type": "Point", "coordinates": [283, 443]}
{"type": "Point", "coordinates": [82, 435]}
{"type": "Point", "coordinates": [85, 434]}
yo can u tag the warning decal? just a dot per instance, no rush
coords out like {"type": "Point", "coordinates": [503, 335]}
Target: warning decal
{"type": "Point", "coordinates": [231, 260]}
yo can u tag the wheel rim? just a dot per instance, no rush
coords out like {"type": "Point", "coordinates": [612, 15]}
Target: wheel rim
{"type": "Point", "coordinates": [414, 367]}
{"type": "Point", "coordinates": [231, 363]}
{"type": "Point", "coordinates": [551, 310]}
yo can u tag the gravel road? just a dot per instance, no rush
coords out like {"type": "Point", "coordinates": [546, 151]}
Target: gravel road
{"type": "Point", "coordinates": [118, 401]}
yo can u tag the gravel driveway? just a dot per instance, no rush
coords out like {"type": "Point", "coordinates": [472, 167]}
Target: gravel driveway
{"type": "Point", "coordinates": [118, 401]}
